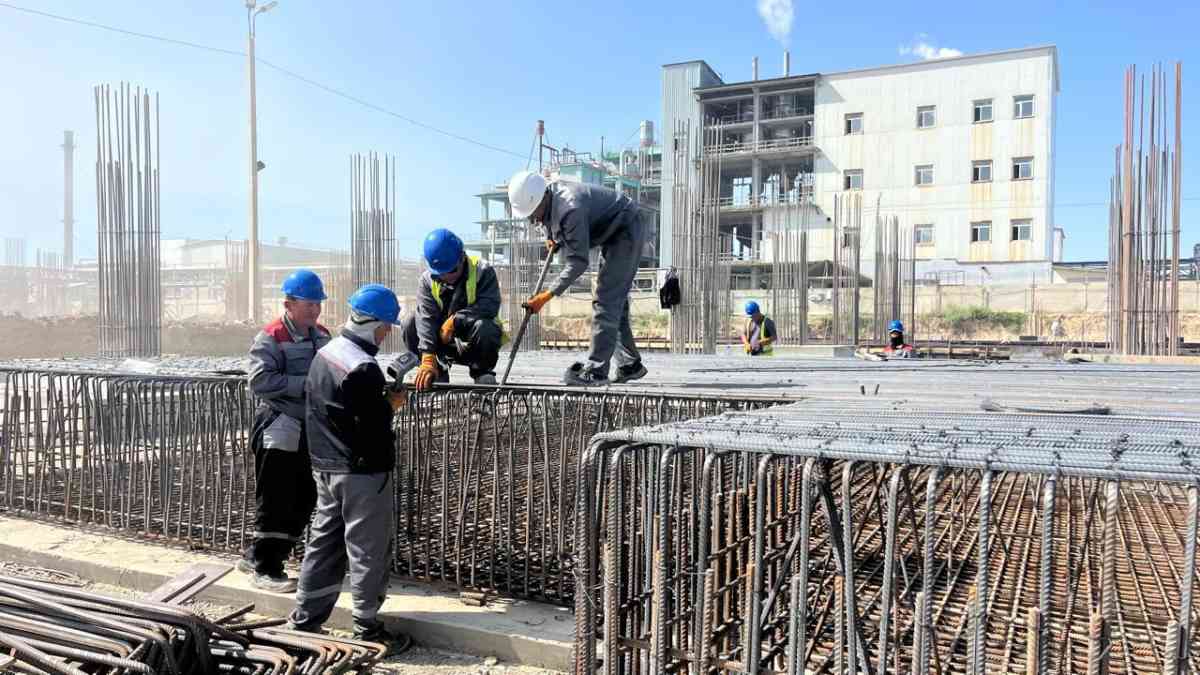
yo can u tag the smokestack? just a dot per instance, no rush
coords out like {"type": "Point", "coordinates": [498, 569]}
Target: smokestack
{"type": "Point", "coordinates": [754, 69]}
{"type": "Point", "coordinates": [647, 133]}
{"type": "Point", "coordinates": [787, 63]}
{"type": "Point", "coordinates": [68, 198]}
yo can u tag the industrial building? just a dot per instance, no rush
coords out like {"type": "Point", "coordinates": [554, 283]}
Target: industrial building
{"type": "Point", "coordinates": [960, 149]}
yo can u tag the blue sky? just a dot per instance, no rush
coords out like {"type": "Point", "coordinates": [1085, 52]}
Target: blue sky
{"type": "Point", "coordinates": [487, 71]}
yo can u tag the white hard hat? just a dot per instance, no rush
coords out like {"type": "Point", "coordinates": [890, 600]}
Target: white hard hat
{"type": "Point", "coordinates": [525, 191]}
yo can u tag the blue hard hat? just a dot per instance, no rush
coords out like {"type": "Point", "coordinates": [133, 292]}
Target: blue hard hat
{"type": "Point", "coordinates": [751, 308]}
{"type": "Point", "coordinates": [443, 251]}
{"type": "Point", "coordinates": [378, 302]}
{"type": "Point", "coordinates": [304, 285]}
{"type": "Point", "coordinates": [895, 326]}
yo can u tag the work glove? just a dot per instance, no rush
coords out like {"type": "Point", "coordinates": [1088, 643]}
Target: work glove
{"type": "Point", "coordinates": [551, 245]}
{"type": "Point", "coordinates": [765, 342]}
{"type": "Point", "coordinates": [447, 332]}
{"type": "Point", "coordinates": [427, 372]}
{"type": "Point", "coordinates": [746, 347]}
{"type": "Point", "coordinates": [397, 399]}
{"type": "Point", "coordinates": [537, 302]}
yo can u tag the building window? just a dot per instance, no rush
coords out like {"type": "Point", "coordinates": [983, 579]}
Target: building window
{"type": "Point", "coordinates": [981, 231]}
{"type": "Point", "coordinates": [983, 111]}
{"type": "Point", "coordinates": [853, 123]}
{"type": "Point", "coordinates": [981, 171]}
{"type": "Point", "coordinates": [1022, 106]}
{"type": "Point", "coordinates": [853, 179]}
{"type": "Point", "coordinates": [923, 234]}
{"type": "Point", "coordinates": [926, 116]}
{"type": "Point", "coordinates": [1022, 168]}
{"type": "Point", "coordinates": [924, 174]}
{"type": "Point", "coordinates": [1022, 230]}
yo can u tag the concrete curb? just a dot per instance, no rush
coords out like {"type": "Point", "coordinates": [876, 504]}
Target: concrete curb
{"type": "Point", "coordinates": [520, 632]}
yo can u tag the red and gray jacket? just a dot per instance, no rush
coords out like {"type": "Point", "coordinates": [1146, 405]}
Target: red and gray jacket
{"type": "Point", "coordinates": [279, 362]}
{"type": "Point", "coordinates": [348, 418]}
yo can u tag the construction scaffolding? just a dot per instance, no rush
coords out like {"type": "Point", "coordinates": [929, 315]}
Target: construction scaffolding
{"type": "Point", "coordinates": [1144, 212]}
{"type": "Point", "coordinates": [127, 221]}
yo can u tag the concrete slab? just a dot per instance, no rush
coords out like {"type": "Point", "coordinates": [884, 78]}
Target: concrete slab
{"type": "Point", "coordinates": [817, 351]}
{"type": "Point", "coordinates": [515, 631]}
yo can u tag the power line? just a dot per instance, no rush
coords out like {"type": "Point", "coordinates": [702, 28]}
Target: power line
{"type": "Point", "coordinates": [231, 52]}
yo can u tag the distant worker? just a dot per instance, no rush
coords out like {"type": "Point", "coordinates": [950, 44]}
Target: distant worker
{"type": "Point", "coordinates": [1058, 329]}
{"type": "Point", "coordinates": [896, 345]}
{"type": "Point", "coordinates": [458, 299]}
{"type": "Point", "coordinates": [760, 334]}
{"type": "Point", "coordinates": [284, 493]}
{"type": "Point", "coordinates": [577, 218]}
{"type": "Point", "coordinates": [350, 438]}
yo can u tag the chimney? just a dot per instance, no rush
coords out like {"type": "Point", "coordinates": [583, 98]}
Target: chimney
{"type": "Point", "coordinates": [754, 69]}
{"type": "Point", "coordinates": [787, 63]}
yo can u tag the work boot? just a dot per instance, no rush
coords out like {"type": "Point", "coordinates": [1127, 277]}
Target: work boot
{"type": "Point", "coordinates": [485, 378]}
{"type": "Point", "coordinates": [633, 371]}
{"type": "Point", "coordinates": [275, 583]}
{"type": "Point", "coordinates": [578, 375]}
{"type": "Point", "coordinates": [396, 643]}
{"type": "Point", "coordinates": [245, 566]}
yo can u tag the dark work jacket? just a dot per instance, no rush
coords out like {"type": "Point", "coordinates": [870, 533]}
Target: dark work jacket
{"type": "Point", "coordinates": [348, 417]}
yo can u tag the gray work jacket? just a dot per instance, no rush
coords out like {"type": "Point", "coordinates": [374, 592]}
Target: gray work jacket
{"type": "Point", "coordinates": [279, 362]}
{"type": "Point", "coordinates": [581, 217]}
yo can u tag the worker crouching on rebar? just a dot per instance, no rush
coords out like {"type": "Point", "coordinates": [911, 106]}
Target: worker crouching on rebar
{"type": "Point", "coordinates": [458, 300]}
{"type": "Point", "coordinates": [352, 446]}
{"type": "Point", "coordinates": [759, 336]}
{"type": "Point", "coordinates": [284, 493]}
{"type": "Point", "coordinates": [578, 217]}
{"type": "Point", "coordinates": [896, 346]}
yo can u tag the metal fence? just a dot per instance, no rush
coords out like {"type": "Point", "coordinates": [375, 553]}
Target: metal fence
{"type": "Point", "coordinates": [858, 539]}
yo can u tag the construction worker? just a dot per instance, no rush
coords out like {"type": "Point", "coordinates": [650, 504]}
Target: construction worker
{"type": "Point", "coordinates": [455, 321]}
{"type": "Point", "coordinates": [349, 413]}
{"type": "Point", "coordinates": [896, 345]}
{"type": "Point", "coordinates": [284, 493]}
{"type": "Point", "coordinates": [577, 218]}
{"type": "Point", "coordinates": [759, 335]}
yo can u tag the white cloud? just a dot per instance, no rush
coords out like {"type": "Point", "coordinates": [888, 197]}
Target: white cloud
{"type": "Point", "coordinates": [777, 16]}
{"type": "Point", "coordinates": [923, 49]}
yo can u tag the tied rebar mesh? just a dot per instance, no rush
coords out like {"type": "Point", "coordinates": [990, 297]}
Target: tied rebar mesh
{"type": "Point", "coordinates": [484, 478]}
{"type": "Point", "coordinates": [843, 538]}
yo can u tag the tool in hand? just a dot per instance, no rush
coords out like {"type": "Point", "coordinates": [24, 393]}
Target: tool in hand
{"type": "Point", "coordinates": [516, 343]}
{"type": "Point", "coordinates": [397, 369]}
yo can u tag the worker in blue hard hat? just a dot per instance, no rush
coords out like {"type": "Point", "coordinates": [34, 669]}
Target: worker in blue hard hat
{"type": "Point", "coordinates": [759, 335]}
{"type": "Point", "coordinates": [352, 448]}
{"type": "Point", "coordinates": [896, 345]}
{"type": "Point", "coordinates": [578, 218]}
{"type": "Point", "coordinates": [284, 493]}
{"type": "Point", "coordinates": [458, 300]}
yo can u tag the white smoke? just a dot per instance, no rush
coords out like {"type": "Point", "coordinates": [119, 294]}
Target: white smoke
{"type": "Point", "coordinates": [777, 16]}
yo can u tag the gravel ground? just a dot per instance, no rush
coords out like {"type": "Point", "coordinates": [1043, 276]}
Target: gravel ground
{"type": "Point", "coordinates": [417, 661]}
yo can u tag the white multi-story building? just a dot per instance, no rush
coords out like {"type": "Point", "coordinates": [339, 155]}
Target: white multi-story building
{"type": "Point", "coordinates": [960, 149]}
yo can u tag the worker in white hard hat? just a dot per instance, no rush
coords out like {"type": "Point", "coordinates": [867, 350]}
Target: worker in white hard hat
{"type": "Point", "coordinates": [576, 218]}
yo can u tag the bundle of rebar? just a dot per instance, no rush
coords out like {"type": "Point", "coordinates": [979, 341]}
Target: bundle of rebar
{"type": "Point", "coordinates": [846, 274]}
{"type": "Point", "coordinates": [697, 321]}
{"type": "Point", "coordinates": [127, 221]}
{"type": "Point", "coordinates": [51, 628]}
{"type": "Point", "coordinates": [373, 225]}
{"type": "Point", "coordinates": [1144, 213]}
{"type": "Point", "coordinates": [895, 283]}
{"type": "Point", "coordinates": [853, 539]}
{"type": "Point", "coordinates": [789, 270]}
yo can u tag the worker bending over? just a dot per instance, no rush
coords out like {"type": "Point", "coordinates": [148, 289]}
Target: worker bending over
{"type": "Point", "coordinates": [350, 438]}
{"type": "Point", "coordinates": [577, 218]}
{"type": "Point", "coordinates": [760, 332]}
{"type": "Point", "coordinates": [283, 485]}
{"type": "Point", "coordinates": [896, 345]}
{"type": "Point", "coordinates": [458, 299]}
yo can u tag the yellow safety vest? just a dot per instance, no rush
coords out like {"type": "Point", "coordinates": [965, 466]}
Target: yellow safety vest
{"type": "Point", "coordinates": [768, 349]}
{"type": "Point", "coordinates": [472, 284]}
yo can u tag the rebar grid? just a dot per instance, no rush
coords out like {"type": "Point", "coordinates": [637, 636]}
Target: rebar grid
{"type": "Point", "coordinates": [751, 543]}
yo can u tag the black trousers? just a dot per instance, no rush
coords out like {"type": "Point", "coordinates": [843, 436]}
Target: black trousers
{"type": "Point", "coordinates": [480, 339]}
{"type": "Point", "coordinates": [284, 498]}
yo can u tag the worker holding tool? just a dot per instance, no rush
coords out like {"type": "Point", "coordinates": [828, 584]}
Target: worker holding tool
{"type": "Point", "coordinates": [349, 413]}
{"type": "Point", "coordinates": [458, 299]}
{"type": "Point", "coordinates": [284, 493]}
{"type": "Point", "coordinates": [896, 346]}
{"type": "Point", "coordinates": [577, 218]}
{"type": "Point", "coordinates": [759, 335]}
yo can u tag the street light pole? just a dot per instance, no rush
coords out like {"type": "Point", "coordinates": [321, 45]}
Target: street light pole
{"type": "Point", "coordinates": [253, 281]}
